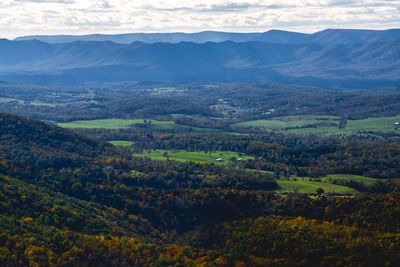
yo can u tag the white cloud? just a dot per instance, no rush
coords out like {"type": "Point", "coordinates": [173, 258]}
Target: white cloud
{"type": "Point", "coordinates": [27, 17]}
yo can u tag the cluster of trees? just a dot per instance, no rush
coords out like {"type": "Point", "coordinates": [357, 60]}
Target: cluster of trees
{"type": "Point", "coordinates": [277, 241]}
{"type": "Point", "coordinates": [257, 242]}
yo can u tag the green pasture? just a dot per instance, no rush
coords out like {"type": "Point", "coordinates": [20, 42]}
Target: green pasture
{"type": "Point", "coordinates": [383, 124]}
{"type": "Point", "coordinates": [37, 103]}
{"type": "Point", "coordinates": [328, 130]}
{"type": "Point", "coordinates": [330, 183]}
{"type": "Point", "coordinates": [280, 123]}
{"type": "Point", "coordinates": [112, 123]}
{"type": "Point", "coordinates": [6, 100]}
{"type": "Point", "coordinates": [121, 143]}
{"type": "Point", "coordinates": [123, 124]}
{"type": "Point", "coordinates": [199, 157]}
{"type": "Point", "coordinates": [300, 186]}
{"type": "Point", "coordinates": [346, 177]}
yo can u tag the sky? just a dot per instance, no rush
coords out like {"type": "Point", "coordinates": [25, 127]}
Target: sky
{"type": "Point", "coordinates": [31, 17]}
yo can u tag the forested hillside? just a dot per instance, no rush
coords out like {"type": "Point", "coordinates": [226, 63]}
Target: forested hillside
{"type": "Point", "coordinates": [71, 200]}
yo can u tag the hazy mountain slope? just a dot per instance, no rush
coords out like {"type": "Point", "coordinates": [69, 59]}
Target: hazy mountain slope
{"type": "Point", "coordinates": [84, 54]}
{"type": "Point", "coordinates": [357, 64]}
{"type": "Point", "coordinates": [13, 53]}
{"type": "Point", "coordinates": [349, 36]}
{"type": "Point", "coordinates": [376, 59]}
{"type": "Point", "coordinates": [326, 37]}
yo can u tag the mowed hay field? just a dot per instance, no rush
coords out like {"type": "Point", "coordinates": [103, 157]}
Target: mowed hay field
{"type": "Point", "coordinates": [138, 124]}
{"type": "Point", "coordinates": [198, 157]}
{"type": "Point", "coordinates": [6, 100]}
{"type": "Point", "coordinates": [300, 186]}
{"type": "Point", "coordinates": [331, 178]}
{"type": "Point", "coordinates": [121, 143]}
{"type": "Point", "coordinates": [322, 125]}
{"type": "Point", "coordinates": [281, 123]}
{"type": "Point", "coordinates": [111, 123]}
{"type": "Point", "coordinates": [329, 130]}
{"type": "Point", "coordinates": [384, 124]}
{"type": "Point", "coordinates": [330, 183]}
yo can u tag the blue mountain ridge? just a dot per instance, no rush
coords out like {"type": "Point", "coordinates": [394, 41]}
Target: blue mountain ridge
{"type": "Point", "coordinates": [325, 37]}
{"type": "Point", "coordinates": [358, 63]}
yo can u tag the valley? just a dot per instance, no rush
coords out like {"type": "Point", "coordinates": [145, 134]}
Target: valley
{"type": "Point", "coordinates": [203, 149]}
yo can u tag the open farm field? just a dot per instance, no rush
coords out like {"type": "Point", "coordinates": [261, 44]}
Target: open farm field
{"type": "Point", "coordinates": [199, 157]}
{"type": "Point", "coordinates": [6, 100]}
{"type": "Point", "coordinates": [328, 130]}
{"type": "Point", "coordinates": [38, 103]}
{"type": "Point", "coordinates": [384, 124]}
{"type": "Point", "coordinates": [305, 125]}
{"type": "Point", "coordinates": [121, 143]}
{"type": "Point", "coordinates": [281, 123]}
{"type": "Point", "coordinates": [110, 123]}
{"type": "Point", "coordinates": [300, 186]}
{"type": "Point", "coordinates": [331, 178]}
{"type": "Point", "coordinates": [136, 124]}
{"type": "Point", "coordinates": [330, 183]}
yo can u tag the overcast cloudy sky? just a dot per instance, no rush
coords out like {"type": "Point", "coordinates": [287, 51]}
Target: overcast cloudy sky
{"type": "Point", "coordinates": [28, 17]}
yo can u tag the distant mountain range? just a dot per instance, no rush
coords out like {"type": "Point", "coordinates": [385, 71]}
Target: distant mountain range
{"type": "Point", "coordinates": [326, 37]}
{"type": "Point", "coordinates": [331, 58]}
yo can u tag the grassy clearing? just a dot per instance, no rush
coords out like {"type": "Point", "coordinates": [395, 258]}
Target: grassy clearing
{"type": "Point", "coordinates": [317, 131]}
{"type": "Point", "coordinates": [37, 103]}
{"type": "Point", "coordinates": [383, 124]}
{"type": "Point", "coordinates": [261, 171]}
{"type": "Point", "coordinates": [330, 183]}
{"type": "Point", "coordinates": [300, 186]}
{"type": "Point", "coordinates": [310, 185]}
{"type": "Point", "coordinates": [111, 123]}
{"type": "Point", "coordinates": [347, 177]}
{"type": "Point", "coordinates": [6, 100]}
{"type": "Point", "coordinates": [198, 157]}
{"type": "Point", "coordinates": [373, 124]}
{"type": "Point", "coordinates": [121, 143]}
{"type": "Point", "coordinates": [168, 126]}
{"type": "Point", "coordinates": [280, 123]}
